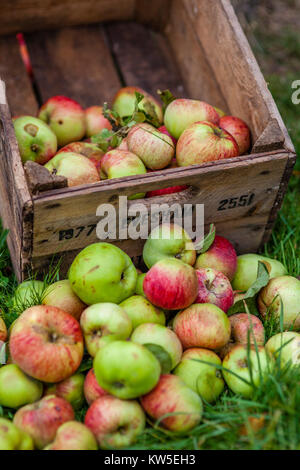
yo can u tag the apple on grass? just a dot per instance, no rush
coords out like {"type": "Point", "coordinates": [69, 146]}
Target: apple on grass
{"type": "Point", "coordinates": [182, 113]}
{"type": "Point", "coordinates": [166, 241]}
{"type": "Point", "coordinates": [124, 102]}
{"type": "Point", "coordinates": [214, 288]}
{"type": "Point", "coordinates": [171, 284]}
{"type": "Point", "coordinates": [220, 256]}
{"type": "Point", "coordinates": [154, 148]}
{"type": "Point", "coordinates": [115, 423]}
{"type": "Point", "coordinates": [141, 311]}
{"type": "Point", "coordinates": [247, 266]}
{"type": "Point", "coordinates": [250, 365]}
{"type": "Point", "coordinates": [172, 397]}
{"type": "Point", "coordinates": [203, 378]}
{"type": "Point", "coordinates": [12, 438]}
{"type": "Point", "coordinates": [46, 343]}
{"type": "Point", "coordinates": [162, 342]}
{"type": "Point", "coordinates": [65, 117]}
{"type": "Point", "coordinates": [75, 167]}
{"type": "Point", "coordinates": [42, 419]}
{"type": "Point", "coordinates": [61, 295]}
{"type": "Point", "coordinates": [282, 291]}
{"type": "Point", "coordinates": [71, 389]}
{"type": "Point", "coordinates": [36, 141]}
{"type": "Point", "coordinates": [95, 121]}
{"type": "Point", "coordinates": [102, 323]}
{"type": "Point", "coordinates": [73, 436]}
{"type": "Point", "coordinates": [202, 326]}
{"type": "Point", "coordinates": [246, 327]}
{"type": "Point", "coordinates": [126, 370]}
{"type": "Point", "coordinates": [102, 272]}
{"type": "Point", "coordinates": [92, 390]}
{"type": "Point", "coordinates": [286, 346]}
{"type": "Point", "coordinates": [204, 142]}
{"type": "Point", "coordinates": [27, 294]}
{"type": "Point", "coordinates": [3, 330]}
{"type": "Point", "coordinates": [17, 388]}
{"type": "Point", "coordinates": [239, 131]}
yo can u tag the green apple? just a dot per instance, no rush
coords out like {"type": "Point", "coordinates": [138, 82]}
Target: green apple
{"type": "Point", "coordinates": [12, 438]}
{"type": "Point", "coordinates": [16, 388]}
{"type": "Point", "coordinates": [247, 266]}
{"type": "Point", "coordinates": [103, 323]}
{"type": "Point", "coordinates": [27, 294]}
{"type": "Point", "coordinates": [237, 362]}
{"type": "Point", "coordinates": [71, 389]}
{"type": "Point", "coordinates": [124, 102]}
{"type": "Point", "coordinates": [162, 342]}
{"type": "Point", "coordinates": [286, 345]}
{"type": "Point", "coordinates": [126, 370]}
{"type": "Point", "coordinates": [73, 436]}
{"type": "Point", "coordinates": [168, 241]}
{"type": "Point", "coordinates": [139, 284]}
{"type": "Point", "coordinates": [140, 311]}
{"type": "Point", "coordinates": [204, 379]}
{"type": "Point", "coordinates": [102, 272]}
{"type": "Point", "coordinates": [61, 295]}
{"type": "Point", "coordinates": [281, 291]}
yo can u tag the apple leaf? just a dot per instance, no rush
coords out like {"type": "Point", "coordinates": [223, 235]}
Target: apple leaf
{"type": "Point", "coordinates": [262, 280]}
{"type": "Point", "coordinates": [162, 356]}
{"type": "Point", "coordinates": [167, 97]}
{"type": "Point", "coordinates": [205, 244]}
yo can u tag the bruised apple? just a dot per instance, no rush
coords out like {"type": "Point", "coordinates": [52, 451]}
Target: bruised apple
{"type": "Point", "coordinates": [214, 288]}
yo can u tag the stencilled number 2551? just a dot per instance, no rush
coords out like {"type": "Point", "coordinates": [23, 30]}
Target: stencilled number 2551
{"type": "Point", "coordinates": [242, 201]}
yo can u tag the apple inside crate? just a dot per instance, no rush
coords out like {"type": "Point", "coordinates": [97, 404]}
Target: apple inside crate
{"type": "Point", "coordinates": [154, 45]}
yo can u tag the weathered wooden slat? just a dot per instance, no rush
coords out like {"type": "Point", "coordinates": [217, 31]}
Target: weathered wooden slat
{"type": "Point", "coordinates": [154, 13]}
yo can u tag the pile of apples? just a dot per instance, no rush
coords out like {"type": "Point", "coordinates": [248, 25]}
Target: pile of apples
{"type": "Point", "coordinates": [182, 133]}
{"type": "Point", "coordinates": [162, 342]}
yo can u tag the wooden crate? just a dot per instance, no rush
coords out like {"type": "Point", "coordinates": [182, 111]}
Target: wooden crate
{"type": "Point", "coordinates": [88, 50]}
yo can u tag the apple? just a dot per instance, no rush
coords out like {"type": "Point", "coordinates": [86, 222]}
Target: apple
{"type": "Point", "coordinates": [102, 272]}
{"type": "Point", "coordinates": [244, 324]}
{"type": "Point", "coordinates": [253, 425]}
{"type": "Point", "coordinates": [202, 326]}
{"type": "Point", "coordinates": [3, 330]}
{"type": "Point", "coordinates": [123, 145]}
{"type": "Point", "coordinates": [16, 388]}
{"type": "Point", "coordinates": [42, 419]}
{"type": "Point", "coordinates": [204, 142]}
{"type": "Point", "coordinates": [46, 343]}
{"type": "Point", "coordinates": [220, 256]}
{"type": "Point", "coordinates": [92, 390]}
{"type": "Point", "coordinates": [214, 288]}
{"type": "Point", "coordinates": [36, 141]}
{"type": "Point", "coordinates": [204, 379]}
{"type": "Point", "coordinates": [86, 149]}
{"type": "Point", "coordinates": [71, 389]}
{"type": "Point", "coordinates": [172, 396]}
{"type": "Point", "coordinates": [154, 148]}
{"type": "Point", "coordinates": [165, 131]}
{"type": "Point", "coordinates": [222, 352]}
{"type": "Point", "coordinates": [239, 360]}
{"type": "Point", "coordinates": [182, 113]}
{"type": "Point", "coordinates": [61, 295]}
{"type": "Point", "coordinates": [141, 311]}
{"type": "Point", "coordinates": [239, 130]}
{"type": "Point", "coordinates": [12, 438]}
{"type": "Point", "coordinates": [168, 240]}
{"type": "Point", "coordinates": [102, 323]}
{"type": "Point", "coordinates": [247, 266]}
{"type": "Point", "coordinates": [285, 345]}
{"type": "Point", "coordinates": [75, 167]}
{"type": "Point", "coordinates": [95, 121]}
{"type": "Point", "coordinates": [171, 284]}
{"type": "Point", "coordinates": [126, 370]}
{"type": "Point", "coordinates": [139, 290]}
{"type": "Point", "coordinates": [285, 291]}
{"type": "Point", "coordinates": [165, 191]}
{"type": "Point", "coordinates": [220, 112]}
{"type": "Point", "coordinates": [65, 117]}
{"type": "Point", "coordinates": [162, 342]}
{"type": "Point", "coordinates": [115, 423]}
{"type": "Point", "coordinates": [28, 293]}
{"type": "Point", "coordinates": [124, 102]}
{"type": "Point", "coordinates": [73, 436]}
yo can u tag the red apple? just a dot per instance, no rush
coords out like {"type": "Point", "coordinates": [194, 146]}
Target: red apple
{"type": "Point", "coordinates": [172, 396]}
{"type": "Point", "coordinates": [46, 343]}
{"type": "Point", "coordinates": [164, 191]}
{"type": "Point", "coordinates": [242, 325]}
{"type": "Point", "coordinates": [95, 121]}
{"type": "Point", "coordinates": [214, 288]}
{"type": "Point", "coordinates": [202, 326]}
{"type": "Point", "coordinates": [220, 256]}
{"type": "Point", "coordinates": [124, 102]}
{"type": "Point", "coordinates": [65, 117]}
{"type": "Point", "coordinates": [205, 142]}
{"type": "Point", "coordinates": [75, 167]}
{"type": "Point", "coordinates": [92, 390]}
{"type": "Point", "coordinates": [239, 130]}
{"type": "Point", "coordinates": [171, 284]}
{"type": "Point", "coordinates": [86, 149]}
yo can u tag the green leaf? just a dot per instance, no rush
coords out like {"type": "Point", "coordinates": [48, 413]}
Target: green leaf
{"type": "Point", "coordinates": [140, 117]}
{"type": "Point", "coordinates": [208, 240]}
{"type": "Point", "coordinates": [167, 97]}
{"type": "Point", "coordinates": [162, 356]}
{"type": "Point", "coordinates": [262, 280]}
